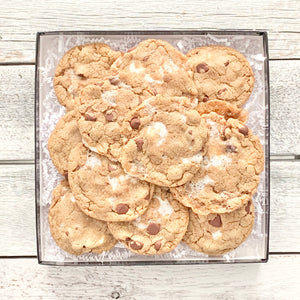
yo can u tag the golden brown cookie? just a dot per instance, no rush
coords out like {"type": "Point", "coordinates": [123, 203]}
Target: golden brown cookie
{"type": "Point", "coordinates": [166, 138]}
{"type": "Point", "coordinates": [161, 65]}
{"type": "Point", "coordinates": [62, 140]}
{"type": "Point", "coordinates": [224, 109]}
{"type": "Point", "coordinates": [216, 234]}
{"type": "Point", "coordinates": [74, 231]}
{"type": "Point", "coordinates": [102, 190]}
{"type": "Point", "coordinates": [230, 170]}
{"type": "Point", "coordinates": [221, 73]}
{"type": "Point", "coordinates": [101, 113]}
{"type": "Point", "coordinates": [159, 230]}
{"type": "Point", "coordinates": [80, 66]}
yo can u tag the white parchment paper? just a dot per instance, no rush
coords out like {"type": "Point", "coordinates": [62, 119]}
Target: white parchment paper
{"type": "Point", "coordinates": [52, 48]}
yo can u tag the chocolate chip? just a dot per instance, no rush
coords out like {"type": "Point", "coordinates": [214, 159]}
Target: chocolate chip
{"type": "Point", "coordinates": [230, 148]}
{"type": "Point", "coordinates": [147, 197]}
{"type": "Point", "coordinates": [190, 132]}
{"type": "Point", "coordinates": [135, 245]}
{"type": "Point", "coordinates": [216, 222]}
{"type": "Point", "coordinates": [221, 91]}
{"type": "Point", "coordinates": [205, 99]}
{"type": "Point", "coordinates": [154, 92]}
{"type": "Point", "coordinates": [139, 144]}
{"type": "Point", "coordinates": [146, 57]}
{"type": "Point", "coordinates": [114, 80]}
{"type": "Point", "coordinates": [66, 175]}
{"type": "Point", "coordinates": [153, 228]}
{"type": "Point", "coordinates": [89, 116]}
{"type": "Point", "coordinates": [135, 123]}
{"type": "Point", "coordinates": [122, 208]}
{"type": "Point", "coordinates": [83, 246]}
{"type": "Point", "coordinates": [244, 130]}
{"type": "Point", "coordinates": [227, 63]}
{"type": "Point", "coordinates": [202, 68]}
{"type": "Point", "coordinates": [157, 245]}
{"type": "Point", "coordinates": [247, 208]}
{"type": "Point", "coordinates": [111, 116]}
{"type": "Point", "coordinates": [127, 240]}
{"type": "Point", "coordinates": [67, 233]}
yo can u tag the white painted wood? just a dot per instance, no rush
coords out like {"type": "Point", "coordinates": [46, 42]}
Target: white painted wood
{"type": "Point", "coordinates": [17, 210]}
{"type": "Point", "coordinates": [20, 22]}
{"type": "Point", "coordinates": [17, 110]}
{"type": "Point", "coordinates": [278, 279]}
{"type": "Point", "coordinates": [17, 215]}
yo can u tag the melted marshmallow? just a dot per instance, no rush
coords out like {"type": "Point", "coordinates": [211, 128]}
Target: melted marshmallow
{"type": "Point", "coordinates": [216, 235]}
{"type": "Point", "coordinates": [197, 158]}
{"type": "Point", "coordinates": [218, 161]}
{"type": "Point", "coordinates": [164, 207]}
{"type": "Point", "coordinates": [133, 68]}
{"type": "Point", "coordinates": [195, 187]}
{"type": "Point", "coordinates": [158, 128]}
{"type": "Point", "coordinates": [92, 161]}
{"type": "Point", "coordinates": [109, 97]}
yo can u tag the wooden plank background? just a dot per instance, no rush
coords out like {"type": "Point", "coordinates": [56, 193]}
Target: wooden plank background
{"type": "Point", "coordinates": [21, 277]}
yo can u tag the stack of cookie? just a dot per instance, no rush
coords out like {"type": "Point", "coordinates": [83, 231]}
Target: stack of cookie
{"type": "Point", "coordinates": [154, 149]}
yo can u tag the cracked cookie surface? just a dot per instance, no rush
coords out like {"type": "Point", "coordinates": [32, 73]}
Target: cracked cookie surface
{"type": "Point", "coordinates": [216, 234]}
{"type": "Point", "coordinates": [159, 230]}
{"type": "Point", "coordinates": [165, 141]}
{"type": "Point", "coordinates": [62, 140]}
{"type": "Point", "coordinates": [102, 189]}
{"type": "Point", "coordinates": [74, 231]}
{"type": "Point", "coordinates": [221, 73]}
{"type": "Point", "coordinates": [161, 65]}
{"type": "Point", "coordinates": [102, 110]}
{"type": "Point", "coordinates": [80, 66]}
{"type": "Point", "coordinates": [229, 173]}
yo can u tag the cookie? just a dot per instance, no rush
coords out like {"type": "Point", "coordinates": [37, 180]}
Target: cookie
{"type": "Point", "coordinates": [102, 190]}
{"type": "Point", "coordinates": [165, 141]}
{"type": "Point", "coordinates": [221, 73]}
{"type": "Point", "coordinates": [74, 231]}
{"type": "Point", "coordinates": [102, 111]}
{"type": "Point", "coordinates": [224, 109]}
{"type": "Point", "coordinates": [230, 170]}
{"type": "Point", "coordinates": [159, 230]}
{"type": "Point", "coordinates": [216, 234]}
{"type": "Point", "coordinates": [63, 139]}
{"type": "Point", "coordinates": [161, 65]}
{"type": "Point", "coordinates": [80, 66]}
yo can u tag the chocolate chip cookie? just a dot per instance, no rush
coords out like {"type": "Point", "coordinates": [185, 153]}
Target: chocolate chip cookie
{"type": "Point", "coordinates": [221, 73]}
{"type": "Point", "coordinates": [159, 230]}
{"type": "Point", "coordinates": [102, 190]}
{"type": "Point", "coordinates": [101, 113]}
{"type": "Point", "coordinates": [161, 65]}
{"type": "Point", "coordinates": [229, 173]}
{"type": "Point", "coordinates": [62, 140]}
{"type": "Point", "coordinates": [74, 231]}
{"type": "Point", "coordinates": [165, 141]}
{"type": "Point", "coordinates": [216, 234]}
{"type": "Point", "coordinates": [82, 65]}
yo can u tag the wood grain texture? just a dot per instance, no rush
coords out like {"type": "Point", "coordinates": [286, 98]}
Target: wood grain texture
{"type": "Point", "coordinates": [17, 210]}
{"type": "Point", "coordinates": [17, 110]}
{"type": "Point", "coordinates": [19, 22]}
{"type": "Point", "coordinates": [18, 214]}
{"type": "Point", "coordinates": [278, 279]}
